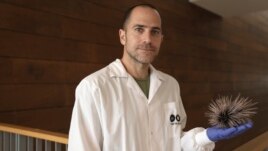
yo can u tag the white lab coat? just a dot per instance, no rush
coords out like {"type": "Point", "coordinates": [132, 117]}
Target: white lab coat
{"type": "Point", "coordinates": [111, 113]}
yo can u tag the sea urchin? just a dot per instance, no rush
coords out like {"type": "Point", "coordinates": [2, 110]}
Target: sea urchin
{"type": "Point", "coordinates": [223, 112]}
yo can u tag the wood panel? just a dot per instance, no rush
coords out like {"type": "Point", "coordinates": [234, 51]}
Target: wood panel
{"type": "Point", "coordinates": [216, 76]}
{"type": "Point", "coordinates": [216, 49]}
{"type": "Point", "coordinates": [43, 71]}
{"type": "Point", "coordinates": [51, 48]}
{"type": "Point", "coordinates": [53, 119]}
{"type": "Point", "coordinates": [47, 47]}
{"type": "Point", "coordinates": [211, 64]}
{"type": "Point", "coordinates": [189, 88]}
{"type": "Point", "coordinates": [28, 96]}
{"type": "Point", "coordinates": [30, 21]}
{"type": "Point", "coordinates": [79, 9]}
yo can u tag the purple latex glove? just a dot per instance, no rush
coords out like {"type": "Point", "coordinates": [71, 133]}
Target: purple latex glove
{"type": "Point", "coordinates": [216, 134]}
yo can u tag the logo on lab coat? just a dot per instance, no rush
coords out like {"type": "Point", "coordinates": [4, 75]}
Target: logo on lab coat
{"type": "Point", "coordinates": [174, 119]}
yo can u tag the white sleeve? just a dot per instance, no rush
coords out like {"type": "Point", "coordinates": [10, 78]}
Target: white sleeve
{"type": "Point", "coordinates": [85, 131]}
{"type": "Point", "coordinates": [196, 140]}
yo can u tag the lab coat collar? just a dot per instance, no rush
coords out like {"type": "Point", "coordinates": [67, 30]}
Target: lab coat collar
{"type": "Point", "coordinates": [117, 69]}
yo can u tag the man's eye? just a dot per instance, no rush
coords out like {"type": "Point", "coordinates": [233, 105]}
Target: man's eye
{"type": "Point", "coordinates": [139, 29]}
{"type": "Point", "coordinates": [155, 32]}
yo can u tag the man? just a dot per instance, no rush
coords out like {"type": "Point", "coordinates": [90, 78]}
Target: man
{"type": "Point", "coordinates": [131, 106]}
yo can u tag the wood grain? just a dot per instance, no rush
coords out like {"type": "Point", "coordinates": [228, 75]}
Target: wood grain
{"type": "Point", "coordinates": [47, 47]}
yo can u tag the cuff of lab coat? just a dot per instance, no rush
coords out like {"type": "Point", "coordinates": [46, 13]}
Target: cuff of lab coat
{"type": "Point", "coordinates": [202, 138]}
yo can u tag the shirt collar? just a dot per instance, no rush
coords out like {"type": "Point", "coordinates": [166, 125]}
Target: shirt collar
{"type": "Point", "coordinates": [117, 69]}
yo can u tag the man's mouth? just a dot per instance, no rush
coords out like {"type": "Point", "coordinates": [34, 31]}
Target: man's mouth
{"type": "Point", "coordinates": [147, 49]}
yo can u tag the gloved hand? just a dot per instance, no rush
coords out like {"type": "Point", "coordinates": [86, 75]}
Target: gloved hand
{"type": "Point", "coordinates": [216, 134]}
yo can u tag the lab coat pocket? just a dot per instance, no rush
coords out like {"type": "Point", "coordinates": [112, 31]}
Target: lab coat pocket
{"type": "Point", "coordinates": [173, 119]}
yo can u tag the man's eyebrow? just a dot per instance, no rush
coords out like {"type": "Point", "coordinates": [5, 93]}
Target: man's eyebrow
{"type": "Point", "coordinates": [138, 25]}
{"type": "Point", "coordinates": [143, 26]}
{"type": "Point", "coordinates": [157, 28]}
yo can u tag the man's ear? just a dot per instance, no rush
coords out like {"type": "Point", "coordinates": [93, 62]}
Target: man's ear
{"type": "Point", "coordinates": [122, 36]}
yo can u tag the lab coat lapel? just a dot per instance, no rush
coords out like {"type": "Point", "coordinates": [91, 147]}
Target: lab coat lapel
{"type": "Point", "coordinates": [155, 83]}
{"type": "Point", "coordinates": [156, 79]}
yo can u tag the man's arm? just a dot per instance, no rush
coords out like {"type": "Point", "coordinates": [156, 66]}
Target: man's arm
{"type": "Point", "coordinates": [196, 140]}
{"type": "Point", "coordinates": [199, 139]}
{"type": "Point", "coordinates": [85, 131]}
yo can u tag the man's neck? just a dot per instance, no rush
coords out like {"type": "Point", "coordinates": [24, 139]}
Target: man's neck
{"type": "Point", "coordinates": [135, 69]}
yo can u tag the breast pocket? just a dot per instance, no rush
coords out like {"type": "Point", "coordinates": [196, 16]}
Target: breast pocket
{"type": "Point", "coordinates": [174, 117]}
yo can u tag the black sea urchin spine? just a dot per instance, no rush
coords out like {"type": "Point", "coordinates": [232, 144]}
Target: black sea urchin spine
{"type": "Point", "coordinates": [223, 112]}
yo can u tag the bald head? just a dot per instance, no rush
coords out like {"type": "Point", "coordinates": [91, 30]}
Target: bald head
{"type": "Point", "coordinates": [129, 12]}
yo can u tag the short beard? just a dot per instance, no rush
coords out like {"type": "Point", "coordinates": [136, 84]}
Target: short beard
{"type": "Point", "coordinates": [139, 60]}
{"type": "Point", "coordinates": [136, 58]}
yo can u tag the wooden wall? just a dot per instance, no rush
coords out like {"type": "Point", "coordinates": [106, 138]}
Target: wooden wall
{"type": "Point", "coordinates": [47, 47]}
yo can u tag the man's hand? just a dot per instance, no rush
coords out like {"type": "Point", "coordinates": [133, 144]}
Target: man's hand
{"type": "Point", "coordinates": [216, 134]}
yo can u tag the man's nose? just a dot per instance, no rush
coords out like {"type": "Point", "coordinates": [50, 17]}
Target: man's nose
{"type": "Point", "coordinates": [147, 37]}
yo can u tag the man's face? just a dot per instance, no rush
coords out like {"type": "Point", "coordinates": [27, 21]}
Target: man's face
{"type": "Point", "coordinates": [142, 35]}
